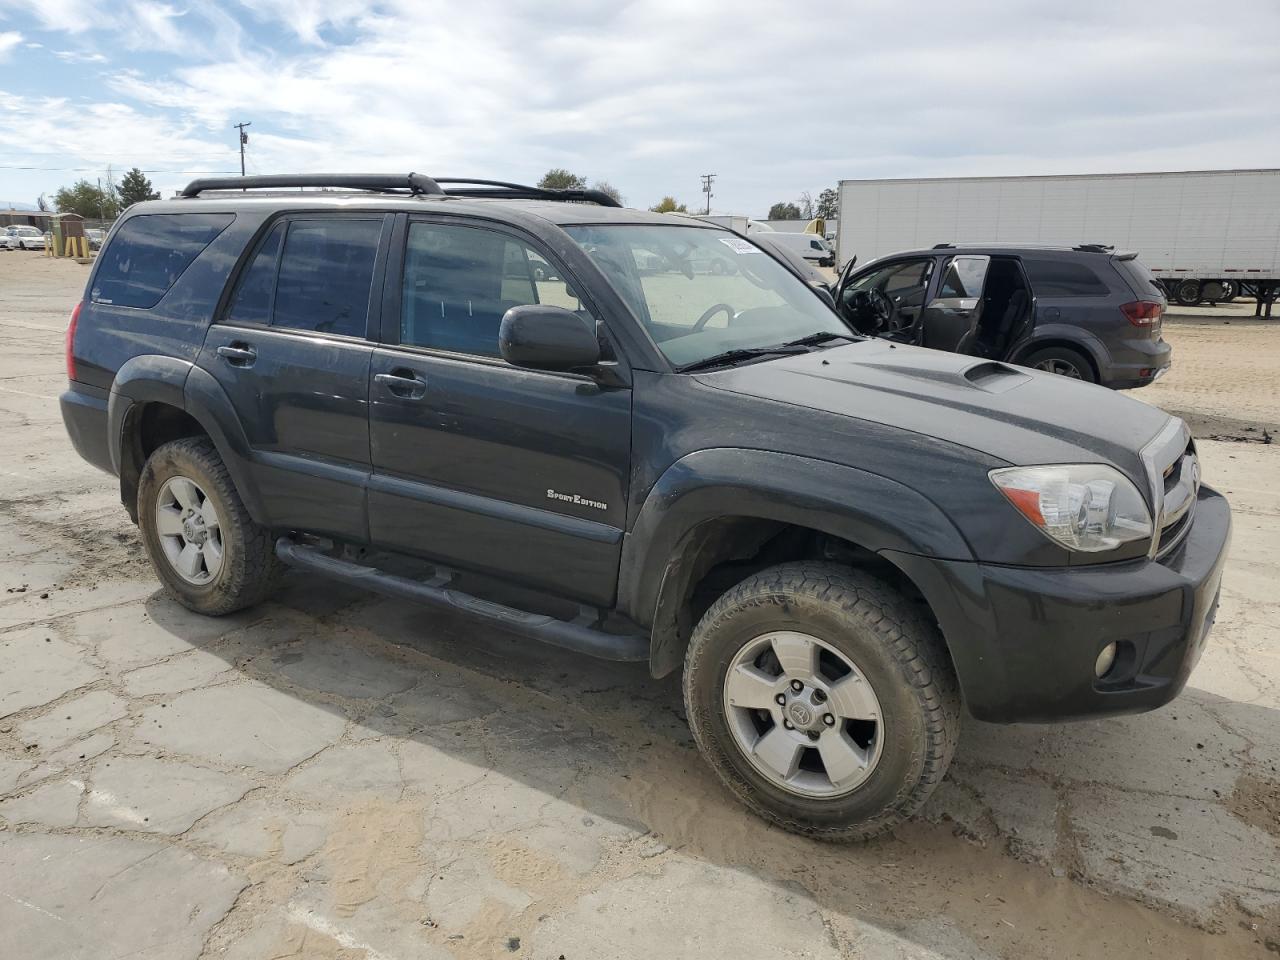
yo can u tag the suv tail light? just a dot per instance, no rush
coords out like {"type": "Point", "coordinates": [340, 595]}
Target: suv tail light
{"type": "Point", "coordinates": [71, 341]}
{"type": "Point", "coordinates": [1143, 313]}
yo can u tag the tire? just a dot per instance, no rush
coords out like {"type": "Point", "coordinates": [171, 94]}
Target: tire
{"type": "Point", "coordinates": [896, 652]}
{"type": "Point", "coordinates": [1063, 361]}
{"type": "Point", "coordinates": [1188, 293]}
{"type": "Point", "coordinates": [247, 568]}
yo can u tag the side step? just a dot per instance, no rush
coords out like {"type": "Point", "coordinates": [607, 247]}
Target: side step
{"type": "Point", "coordinates": [576, 635]}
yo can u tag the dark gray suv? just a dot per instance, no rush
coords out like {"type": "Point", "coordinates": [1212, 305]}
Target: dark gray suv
{"type": "Point", "coordinates": [675, 452]}
{"type": "Point", "coordinates": [1085, 312]}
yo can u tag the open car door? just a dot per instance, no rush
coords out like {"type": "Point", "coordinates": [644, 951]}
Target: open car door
{"type": "Point", "coordinates": [950, 320]}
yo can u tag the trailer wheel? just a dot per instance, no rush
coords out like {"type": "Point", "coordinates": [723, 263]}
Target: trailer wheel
{"type": "Point", "coordinates": [1188, 293]}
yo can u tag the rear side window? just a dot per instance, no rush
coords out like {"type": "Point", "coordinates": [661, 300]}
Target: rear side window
{"type": "Point", "coordinates": [1064, 278]}
{"type": "Point", "coordinates": [964, 278]}
{"type": "Point", "coordinates": [149, 253]}
{"type": "Point", "coordinates": [326, 271]}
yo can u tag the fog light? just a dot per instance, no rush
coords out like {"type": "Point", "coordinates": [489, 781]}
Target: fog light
{"type": "Point", "coordinates": [1106, 660]}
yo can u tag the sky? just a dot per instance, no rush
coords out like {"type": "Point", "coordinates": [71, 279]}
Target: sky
{"type": "Point", "coordinates": [773, 98]}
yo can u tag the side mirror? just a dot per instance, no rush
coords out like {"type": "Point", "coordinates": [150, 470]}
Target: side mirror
{"type": "Point", "coordinates": [543, 337]}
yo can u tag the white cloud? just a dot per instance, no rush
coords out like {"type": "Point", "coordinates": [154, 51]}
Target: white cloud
{"type": "Point", "coordinates": [8, 41]}
{"type": "Point", "coordinates": [774, 98]}
{"type": "Point", "coordinates": [75, 56]}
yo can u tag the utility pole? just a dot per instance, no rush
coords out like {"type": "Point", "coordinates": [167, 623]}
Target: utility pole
{"type": "Point", "coordinates": [244, 138]}
{"type": "Point", "coordinates": [706, 188]}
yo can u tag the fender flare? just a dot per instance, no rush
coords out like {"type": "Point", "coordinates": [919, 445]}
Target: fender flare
{"type": "Point", "coordinates": [181, 384]}
{"type": "Point", "coordinates": [658, 553]}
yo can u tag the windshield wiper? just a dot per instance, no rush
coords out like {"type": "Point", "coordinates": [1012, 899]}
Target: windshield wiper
{"type": "Point", "coordinates": [814, 339]}
{"type": "Point", "coordinates": [729, 357]}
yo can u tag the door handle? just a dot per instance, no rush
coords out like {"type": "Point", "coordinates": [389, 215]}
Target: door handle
{"type": "Point", "coordinates": [403, 383]}
{"type": "Point", "coordinates": [238, 354]}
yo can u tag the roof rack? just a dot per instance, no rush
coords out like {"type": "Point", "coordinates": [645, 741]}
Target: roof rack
{"type": "Point", "coordinates": [1094, 247]}
{"type": "Point", "coordinates": [944, 246]}
{"type": "Point", "coordinates": [379, 182]}
{"type": "Point", "coordinates": [520, 191]}
{"type": "Point", "coordinates": [413, 183]}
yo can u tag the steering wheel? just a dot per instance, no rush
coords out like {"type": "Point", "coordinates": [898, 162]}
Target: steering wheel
{"type": "Point", "coordinates": [881, 307]}
{"type": "Point", "coordinates": [710, 312]}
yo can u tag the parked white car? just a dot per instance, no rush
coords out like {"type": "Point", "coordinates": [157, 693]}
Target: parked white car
{"type": "Point", "coordinates": [29, 238]}
{"type": "Point", "coordinates": [812, 247]}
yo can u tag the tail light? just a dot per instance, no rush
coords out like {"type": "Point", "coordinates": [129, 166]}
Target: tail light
{"type": "Point", "coordinates": [71, 341]}
{"type": "Point", "coordinates": [1143, 313]}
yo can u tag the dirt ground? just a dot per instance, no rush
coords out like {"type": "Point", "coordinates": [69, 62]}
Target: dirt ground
{"type": "Point", "coordinates": [335, 775]}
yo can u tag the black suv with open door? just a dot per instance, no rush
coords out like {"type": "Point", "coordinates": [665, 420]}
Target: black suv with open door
{"type": "Point", "coordinates": [1085, 312]}
{"type": "Point", "coordinates": [645, 438]}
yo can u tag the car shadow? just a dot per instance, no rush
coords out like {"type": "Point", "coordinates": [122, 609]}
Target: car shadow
{"type": "Point", "coordinates": [1012, 836]}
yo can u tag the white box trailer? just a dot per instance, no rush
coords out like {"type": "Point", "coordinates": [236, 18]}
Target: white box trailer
{"type": "Point", "coordinates": [1205, 234]}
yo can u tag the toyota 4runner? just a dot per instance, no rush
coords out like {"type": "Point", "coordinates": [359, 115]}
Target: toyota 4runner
{"type": "Point", "coordinates": [487, 397]}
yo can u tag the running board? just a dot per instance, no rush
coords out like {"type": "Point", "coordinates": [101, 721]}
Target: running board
{"type": "Point", "coordinates": [577, 636]}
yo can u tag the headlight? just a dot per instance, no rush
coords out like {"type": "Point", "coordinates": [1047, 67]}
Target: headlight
{"type": "Point", "coordinates": [1087, 507]}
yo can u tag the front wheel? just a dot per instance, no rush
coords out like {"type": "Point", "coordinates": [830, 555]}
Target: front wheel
{"type": "Point", "coordinates": [823, 699]}
{"type": "Point", "coordinates": [203, 544]}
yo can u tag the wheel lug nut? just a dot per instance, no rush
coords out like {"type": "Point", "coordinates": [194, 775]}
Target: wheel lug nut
{"type": "Point", "coordinates": [819, 696]}
{"type": "Point", "coordinates": [813, 734]}
{"type": "Point", "coordinates": [829, 720]}
{"type": "Point", "coordinates": [797, 686]}
{"type": "Point", "coordinates": [788, 724]}
{"type": "Point", "coordinates": [780, 699]}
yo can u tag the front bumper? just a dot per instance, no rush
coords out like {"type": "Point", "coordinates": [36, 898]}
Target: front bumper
{"type": "Point", "coordinates": [1024, 640]}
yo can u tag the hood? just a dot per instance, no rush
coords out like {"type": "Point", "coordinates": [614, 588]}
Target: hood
{"type": "Point", "coordinates": [1012, 413]}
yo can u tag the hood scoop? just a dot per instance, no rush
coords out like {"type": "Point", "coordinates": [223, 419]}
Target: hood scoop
{"type": "Point", "coordinates": [995, 377]}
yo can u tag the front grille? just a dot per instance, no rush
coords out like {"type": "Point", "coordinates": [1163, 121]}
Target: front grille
{"type": "Point", "coordinates": [1179, 483]}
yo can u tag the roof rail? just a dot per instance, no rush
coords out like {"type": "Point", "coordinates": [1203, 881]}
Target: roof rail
{"type": "Point", "coordinates": [1094, 247]}
{"type": "Point", "coordinates": [414, 183]}
{"type": "Point", "coordinates": [380, 182]}
{"type": "Point", "coordinates": [519, 191]}
{"type": "Point", "coordinates": [944, 246]}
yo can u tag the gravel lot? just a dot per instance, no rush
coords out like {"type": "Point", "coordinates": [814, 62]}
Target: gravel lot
{"type": "Point", "coordinates": [339, 776]}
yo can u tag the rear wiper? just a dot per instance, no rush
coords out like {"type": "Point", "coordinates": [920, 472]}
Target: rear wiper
{"type": "Point", "coordinates": [741, 353]}
{"type": "Point", "coordinates": [814, 339]}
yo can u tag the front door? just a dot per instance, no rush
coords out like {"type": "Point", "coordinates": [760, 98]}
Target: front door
{"type": "Point", "coordinates": [950, 321]}
{"type": "Point", "coordinates": [886, 300]}
{"type": "Point", "coordinates": [292, 354]}
{"type": "Point", "coordinates": [516, 473]}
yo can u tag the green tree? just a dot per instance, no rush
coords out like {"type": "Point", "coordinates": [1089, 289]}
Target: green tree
{"type": "Point", "coordinates": [829, 204]}
{"type": "Point", "coordinates": [86, 199]}
{"type": "Point", "coordinates": [604, 186]}
{"type": "Point", "coordinates": [134, 188]}
{"type": "Point", "coordinates": [669, 205]}
{"type": "Point", "coordinates": [784, 211]}
{"type": "Point", "coordinates": [559, 178]}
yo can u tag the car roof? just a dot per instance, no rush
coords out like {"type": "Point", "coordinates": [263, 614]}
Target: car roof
{"type": "Point", "coordinates": [559, 212]}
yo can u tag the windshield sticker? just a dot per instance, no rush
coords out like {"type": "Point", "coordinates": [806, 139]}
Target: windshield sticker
{"type": "Point", "coordinates": [738, 245]}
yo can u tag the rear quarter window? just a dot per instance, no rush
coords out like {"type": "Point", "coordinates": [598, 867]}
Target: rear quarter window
{"type": "Point", "coordinates": [1138, 277]}
{"type": "Point", "coordinates": [149, 253]}
{"type": "Point", "coordinates": [1064, 278]}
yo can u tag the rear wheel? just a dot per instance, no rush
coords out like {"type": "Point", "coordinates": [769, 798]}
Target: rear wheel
{"type": "Point", "coordinates": [823, 699]}
{"type": "Point", "coordinates": [203, 544]}
{"type": "Point", "coordinates": [1062, 361]}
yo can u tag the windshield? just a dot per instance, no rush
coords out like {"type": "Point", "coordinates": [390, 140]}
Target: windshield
{"type": "Point", "coordinates": [701, 292]}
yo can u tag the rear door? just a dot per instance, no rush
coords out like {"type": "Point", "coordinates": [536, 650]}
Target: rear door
{"type": "Point", "coordinates": [292, 352]}
{"type": "Point", "coordinates": [950, 321]}
{"type": "Point", "coordinates": [517, 473]}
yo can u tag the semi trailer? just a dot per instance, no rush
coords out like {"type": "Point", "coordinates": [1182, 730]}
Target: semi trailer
{"type": "Point", "coordinates": [1207, 235]}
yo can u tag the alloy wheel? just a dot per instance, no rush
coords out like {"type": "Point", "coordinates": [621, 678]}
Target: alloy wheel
{"type": "Point", "coordinates": [1063, 368]}
{"type": "Point", "coordinates": [803, 714]}
{"type": "Point", "coordinates": [189, 530]}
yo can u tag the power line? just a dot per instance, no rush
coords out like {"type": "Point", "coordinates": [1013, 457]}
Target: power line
{"type": "Point", "coordinates": [707, 178]}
